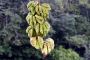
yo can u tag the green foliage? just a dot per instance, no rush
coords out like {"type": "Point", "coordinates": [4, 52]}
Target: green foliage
{"type": "Point", "coordinates": [74, 8]}
{"type": "Point", "coordinates": [82, 25]}
{"type": "Point", "coordinates": [10, 32]}
{"type": "Point", "coordinates": [78, 40]}
{"type": "Point", "coordinates": [83, 1]}
{"type": "Point", "coordinates": [60, 3]}
{"type": "Point", "coordinates": [65, 54]}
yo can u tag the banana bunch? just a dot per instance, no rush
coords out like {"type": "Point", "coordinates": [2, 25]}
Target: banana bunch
{"type": "Point", "coordinates": [38, 26]}
{"type": "Point", "coordinates": [47, 46]}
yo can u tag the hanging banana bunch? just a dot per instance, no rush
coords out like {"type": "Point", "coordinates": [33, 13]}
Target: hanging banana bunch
{"type": "Point", "coordinates": [39, 26]}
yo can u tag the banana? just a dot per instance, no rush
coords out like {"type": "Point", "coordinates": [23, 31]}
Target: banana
{"type": "Point", "coordinates": [37, 42]}
{"type": "Point", "coordinates": [37, 9]}
{"type": "Point", "coordinates": [39, 19]}
{"type": "Point", "coordinates": [30, 4]}
{"type": "Point", "coordinates": [48, 46]}
{"type": "Point", "coordinates": [33, 42]}
{"type": "Point", "coordinates": [40, 42]}
{"type": "Point", "coordinates": [44, 30]}
{"type": "Point", "coordinates": [47, 27]}
{"type": "Point", "coordinates": [45, 12]}
{"type": "Point", "coordinates": [41, 29]}
{"type": "Point", "coordinates": [46, 6]}
{"type": "Point", "coordinates": [30, 32]}
{"type": "Point", "coordinates": [28, 28]}
{"type": "Point", "coordinates": [28, 18]}
{"type": "Point", "coordinates": [34, 21]}
{"type": "Point", "coordinates": [31, 21]}
{"type": "Point", "coordinates": [40, 9]}
{"type": "Point", "coordinates": [37, 29]}
{"type": "Point", "coordinates": [44, 50]}
{"type": "Point", "coordinates": [31, 7]}
{"type": "Point", "coordinates": [50, 42]}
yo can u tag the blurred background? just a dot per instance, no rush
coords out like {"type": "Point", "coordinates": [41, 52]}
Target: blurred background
{"type": "Point", "coordinates": [70, 21]}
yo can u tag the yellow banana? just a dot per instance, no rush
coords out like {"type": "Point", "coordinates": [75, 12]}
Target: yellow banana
{"type": "Point", "coordinates": [44, 50]}
{"type": "Point", "coordinates": [40, 42]}
{"type": "Point", "coordinates": [37, 42]}
{"type": "Point", "coordinates": [48, 46]}
{"type": "Point", "coordinates": [50, 42]}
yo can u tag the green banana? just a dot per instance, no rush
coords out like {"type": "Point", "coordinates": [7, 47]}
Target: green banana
{"type": "Point", "coordinates": [31, 7]}
{"type": "Point", "coordinates": [37, 9]}
{"type": "Point", "coordinates": [46, 6]}
{"type": "Point", "coordinates": [47, 25]}
{"type": "Point", "coordinates": [45, 13]}
{"type": "Point", "coordinates": [39, 19]}
{"type": "Point", "coordinates": [30, 33]}
{"type": "Point", "coordinates": [28, 18]}
{"type": "Point", "coordinates": [34, 20]}
{"type": "Point", "coordinates": [30, 4]}
{"type": "Point", "coordinates": [41, 29]}
{"type": "Point", "coordinates": [37, 29]}
{"type": "Point", "coordinates": [28, 28]}
{"type": "Point", "coordinates": [31, 21]}
{"type": "Point", "coordinates": [44, 30]}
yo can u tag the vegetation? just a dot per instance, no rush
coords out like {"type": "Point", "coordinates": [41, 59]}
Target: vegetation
{"type": "Point", "coordinates": [65, 54]}
{"type": "Point", "coordinates": [67, 22]}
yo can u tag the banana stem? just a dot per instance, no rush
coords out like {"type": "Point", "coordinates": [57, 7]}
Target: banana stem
{"type": "Point", "coordinates": [44, 57]}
